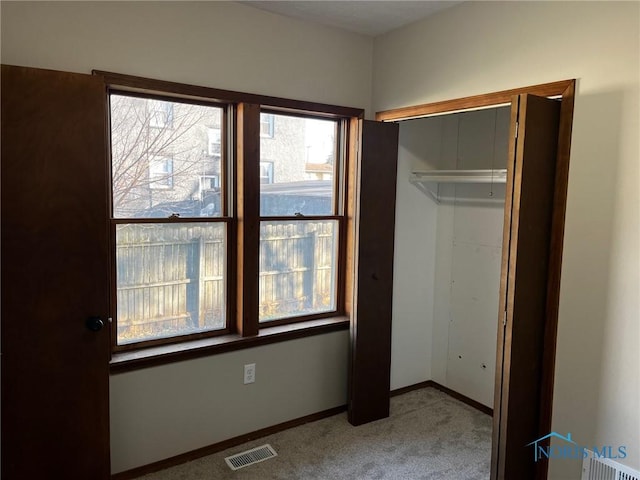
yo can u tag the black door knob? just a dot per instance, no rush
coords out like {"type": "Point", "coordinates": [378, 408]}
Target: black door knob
{"type": "Point", "coordinates": [94, 324]}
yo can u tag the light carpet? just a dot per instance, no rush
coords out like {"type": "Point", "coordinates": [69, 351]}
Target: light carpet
{"type": "Point", "coordinates": [429, 435]}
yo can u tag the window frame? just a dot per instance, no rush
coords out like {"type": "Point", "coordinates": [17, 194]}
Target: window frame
{"type": "Point", "coordinates": [224, 217]}
{"type": "Point", "coordinates": [337, 214]}
{"type": "Point", "coordinates": [241, 147]}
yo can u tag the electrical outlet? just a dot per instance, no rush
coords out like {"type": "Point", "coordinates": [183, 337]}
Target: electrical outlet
{"type": "Point", "coordinates": [249, 373]}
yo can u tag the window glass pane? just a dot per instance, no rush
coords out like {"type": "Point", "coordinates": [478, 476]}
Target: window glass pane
{"type": "Point", "coordinates": [297, 165]}
{"type": "Point", "coordinates": [160, 150]}
{"type": "Point", "coordinates": [160, 172]}
{"type": "Point", "coordinates": [298, 268]}
{"type": "Point", "coordinates": [266, 125]}
{"type": "Point", "coordinates": [169, 280]}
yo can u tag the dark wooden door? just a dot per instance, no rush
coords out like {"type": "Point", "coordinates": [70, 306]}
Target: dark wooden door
{"type": "Point", "coordinates": [370, 362]}
{"type": "Point", "coordinates": [523, 289]}
{"type": "Point", "coordinates": [55, 410]}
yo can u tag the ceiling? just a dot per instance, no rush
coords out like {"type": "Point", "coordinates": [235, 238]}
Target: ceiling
{"type": "Point", "coordinates": [366, 17]}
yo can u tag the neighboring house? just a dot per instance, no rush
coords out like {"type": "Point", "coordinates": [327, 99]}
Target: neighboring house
{"type": "Point", "coordinates": [281, 138]}
{"type": "Point", "coordinates": [294, 149]}
{"type": "Point", "coordinates": [163, 153]}
{"type": "Point", "coordinates": [166, 158]}
{"type": "Point", "coordinates": [320, 171]}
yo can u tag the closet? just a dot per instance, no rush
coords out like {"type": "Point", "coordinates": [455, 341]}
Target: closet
{"type": "Point", "coordinates": [465, 230]}
{"type": "Point", "coordinates": [458, 161]}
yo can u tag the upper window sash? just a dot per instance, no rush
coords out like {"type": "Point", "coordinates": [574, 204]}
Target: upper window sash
{"type": "Point", "coordinates": [304, 157]}
{"type": "Point", "coordinates": [155, 170]}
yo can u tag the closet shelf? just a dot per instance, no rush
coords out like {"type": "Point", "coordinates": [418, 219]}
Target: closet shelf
{"type": "Point", "coordinates": [428, 180]}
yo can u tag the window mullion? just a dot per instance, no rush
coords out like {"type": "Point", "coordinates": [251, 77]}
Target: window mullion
{"type": "Point", "coordinates": [248, 217]}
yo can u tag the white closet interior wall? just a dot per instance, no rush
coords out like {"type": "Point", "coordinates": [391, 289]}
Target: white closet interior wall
{"type": "Point", "coordinates": [457, 248]}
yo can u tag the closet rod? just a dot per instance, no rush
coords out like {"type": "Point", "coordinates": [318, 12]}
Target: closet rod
{"type": "Point", "coordinates": [460, 176]}
{"type": "Point", "coordinates": [425, 180]}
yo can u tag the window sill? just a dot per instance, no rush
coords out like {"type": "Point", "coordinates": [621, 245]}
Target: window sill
{"type": "Point", "coordinates": [164, 354]}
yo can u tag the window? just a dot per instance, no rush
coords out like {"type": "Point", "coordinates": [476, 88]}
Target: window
{"type": "Point", "coordinates": [197, 251]}
{"type": "Point", "coordinates": [160, 114]}
{"type": "Point", "coordinates": [266, 172]}
{"type": "Point", "coordinates": [209, 182]}
{"type": "Point", "coordinates": [160, 172]}
{"type": "Point", "coordinates": [209, 194]}
{"type": "Point", "coordinates": [266, 125]}
{"type": "Point", "coordinates": [299, 250]}
{"type": "Point", "coordinates": [215, 144]}
{"type": "Point", "coordinates": [170, 248]}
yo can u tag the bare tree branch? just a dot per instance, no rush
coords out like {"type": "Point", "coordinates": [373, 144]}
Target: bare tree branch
{"type": "Point", "coordinates": [140, 135]}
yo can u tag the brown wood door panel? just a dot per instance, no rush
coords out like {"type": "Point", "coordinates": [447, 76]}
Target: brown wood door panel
{"type": "Point", "coordinates": [55, 264]}
{"type": "Point", "coordinates": [526, 254]}
{"type": "Point", "coordinates": [370, 362]}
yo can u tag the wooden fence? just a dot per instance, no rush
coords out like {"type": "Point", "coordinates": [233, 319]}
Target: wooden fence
{"type": "Point", "coordinates": [171, 278]}
{"type": "Point", "coordinates": [296, 268]}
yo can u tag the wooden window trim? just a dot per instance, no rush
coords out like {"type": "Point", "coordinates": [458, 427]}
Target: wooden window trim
{"type": "Point", "coordinates": [242, 146]}
{"type": "Point", "coordinates": [141, 85]}
{"type": "Point", "coordinates": [248, 217]}
{"type": "Point", "coordinates": [175, 352]}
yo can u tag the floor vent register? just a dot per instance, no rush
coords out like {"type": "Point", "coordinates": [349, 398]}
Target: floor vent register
{"type": "Point", "coordinates": [255, 455]}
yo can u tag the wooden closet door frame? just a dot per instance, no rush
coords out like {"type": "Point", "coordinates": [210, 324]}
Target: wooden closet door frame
{"type": "Point", "coordinates": [564, 91]}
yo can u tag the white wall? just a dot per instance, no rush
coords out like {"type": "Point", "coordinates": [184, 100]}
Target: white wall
{"type": "Point", "coordinates": [414, 263]}
{"type": "Point", "coordinates": [480, 47]}
{"type": "Point", "coordinates": [164, 411]}
{"type": "Point", "coordinates": [447, 267]}
{"type": "Point", "coordinates": [217, 44]}
{"type": "Point", "coordinates": [469, 251]}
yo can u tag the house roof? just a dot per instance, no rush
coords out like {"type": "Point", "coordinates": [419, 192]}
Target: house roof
{"type": "Point", "coordinates": [311, 188]}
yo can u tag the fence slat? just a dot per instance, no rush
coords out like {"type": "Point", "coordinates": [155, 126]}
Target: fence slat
{"type": "Point", "coordinates": [170, 278]}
